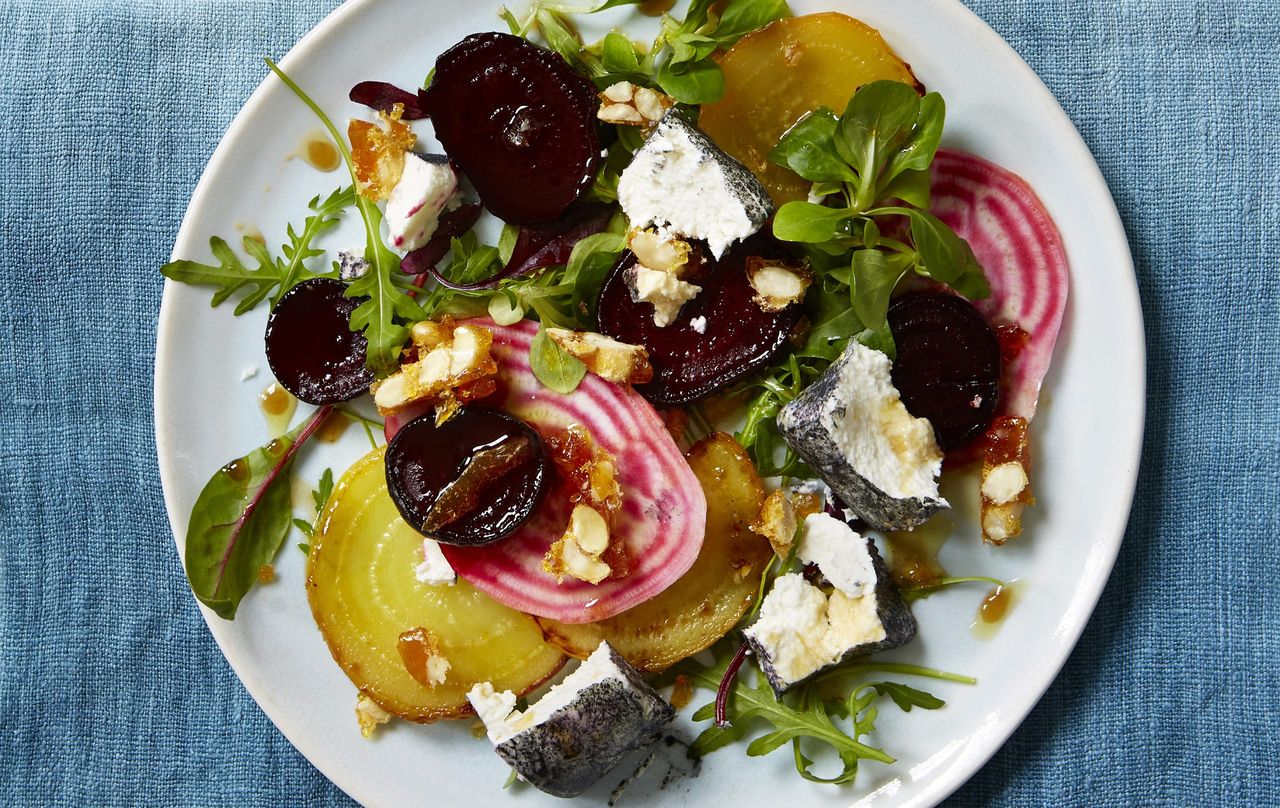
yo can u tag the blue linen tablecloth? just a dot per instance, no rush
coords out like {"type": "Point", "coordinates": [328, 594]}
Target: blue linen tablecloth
{"type": "Point", "coordinates": [112, 691]}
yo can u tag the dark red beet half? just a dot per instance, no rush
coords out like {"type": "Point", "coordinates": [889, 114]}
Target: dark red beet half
{"type": "Point", "coordinates": [311, 348]}
{"type": "Point", "coordinates": [424, 459]}
{"type": "Point", "coordinates": [739, 337]}
{"type": "Point", "coordinates": [518, 122]}
{"type": "Point", "coordinates": [948, 365]}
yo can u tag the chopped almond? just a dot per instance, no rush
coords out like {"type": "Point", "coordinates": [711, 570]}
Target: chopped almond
{"type": "Point", "coordinates": [777, 522]}
{"type": "Point", "coordinates": [778, 284]}
{"type": "Point", "coordinates": [607, 358]}
{"type": "Point", "coordinates": [1006, 485]}
{"type": "Point", "coordinates": [453, 366]}
{"type": "Point", "coordinates": [587, 551]}
{"type": "Point", "coordinates": [626, 103]}
{"type": "Point", "coordinates": [378, 153]}
{"type": "Point", "coordinates": [658, 251]}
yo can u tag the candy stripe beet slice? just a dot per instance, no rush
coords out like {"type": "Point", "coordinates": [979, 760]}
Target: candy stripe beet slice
{"type": "Point", "coordinates": [948, 365]}
{"type": "Point", "coordinates": [664, 510]}
{"type": "Point", "coordinates": [472, 480]}
{"type": "Point", "coordinates": [737, 336]}
{"type": "Point", "coordinates": [311, 348]}
{"type": "Point", "coordinates": [1021, 252]}
{"type": "Point", "coordinates": [518, 122]}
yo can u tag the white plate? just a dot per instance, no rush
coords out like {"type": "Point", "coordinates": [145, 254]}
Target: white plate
{"type": "Point", "coordinates": [1089, 429]}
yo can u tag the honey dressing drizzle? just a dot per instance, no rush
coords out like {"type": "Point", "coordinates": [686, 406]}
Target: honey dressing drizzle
{"type": "Point", "coordinates": [318, 151]}
{"type": "Point", "coordinates": [278, 405]}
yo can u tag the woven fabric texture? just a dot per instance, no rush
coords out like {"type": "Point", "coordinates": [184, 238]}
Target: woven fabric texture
{"type": "Point", "coordinates": [112, 692]}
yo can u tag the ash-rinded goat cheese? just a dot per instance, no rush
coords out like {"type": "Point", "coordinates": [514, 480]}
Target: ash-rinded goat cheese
{"type": "Point", "coordinates": [851, 426]}
{"type": "Point", "coordinates": [427, 188]}
{"type": "Point", "coordinates": [803, 630]}
{"type": "Point", "coordinates": [580, 729]}
{"type": "Point", "coordinates": [681, 181]}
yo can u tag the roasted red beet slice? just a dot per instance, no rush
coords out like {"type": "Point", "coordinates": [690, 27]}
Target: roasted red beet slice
{"type": "Point", "coordinates": [428, 465]}
{"type": "Point", "coordinates": [383, 97]}
{"type": "Point", "coordinates": [519, 122]}
{"type": "Point", "coordinates": [311, 348]}
{"type": "Point", "coordinates": [738, 335]}
{"type": "Point", "coordinates": [948, 365]}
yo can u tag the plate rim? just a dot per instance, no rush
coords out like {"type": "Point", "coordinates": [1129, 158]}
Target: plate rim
{"type": "Point", "coordinates": [1112, 529]}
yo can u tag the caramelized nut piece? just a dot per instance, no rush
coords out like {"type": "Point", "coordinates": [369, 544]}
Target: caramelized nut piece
{"type": "Point", "coordinates": [422, 658]}
{"type": "Point", "coordinates": [453, 366]}
{"type": "Point", "coordinates": [625, 103]}
{"type": "Point", "coordinates": [778, 284]}
{"type": "Point", "coordinates": [1006, 486]}
{"type": "Point", "coordinates": [607, 358]}
{"type": "Point", "coordinates": [577, 553]}
{"type": "Point", "coordinates": [378, 153]}
{"type": "Point", "coordinates": [777, 522]}
{"type": "Point", "coordinates": [656, 251]}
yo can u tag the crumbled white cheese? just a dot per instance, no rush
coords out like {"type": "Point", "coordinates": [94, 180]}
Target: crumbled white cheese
{"type": "Point", "coordinates": [699, 324]}
{"type": "Point", "coordinates": [435, 569]}
{"type": "Point", "coordinates": [676, 181]}
{"type": "Point", "coordinates": [426, 189]}
{"type": "Point", "coordinates": [352, 264]}
{"type": "Point", "coordinates": [840, 553]}
{"type": "Point", "coordinates": [665, 291]}
{"type": "Point", "coordinates": [503, 722]}
{"type": "Point", "coordinates": [248, 373]}
{"type": "Point", "coordinates": [893, 450]}
{"type": "Point", "coordinates": [1004, 483]}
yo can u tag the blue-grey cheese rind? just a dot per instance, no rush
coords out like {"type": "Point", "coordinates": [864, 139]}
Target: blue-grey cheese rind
{"type": "Point", "coordinates": [744, 185]}
{"type": "Point", "coordinates": [800, 424]}
{"type": "Point", "coordinates": [891, 610]}
{"type": "Point", "coordinates": [579, 743]}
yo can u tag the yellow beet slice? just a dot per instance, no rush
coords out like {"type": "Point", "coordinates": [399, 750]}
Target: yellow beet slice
{"type": "Point", "coordinates": [708, 600]}
{"type": "Point", "coordinates": [775, 76]}
{"type": "Point", "coordinates": [364, 595]}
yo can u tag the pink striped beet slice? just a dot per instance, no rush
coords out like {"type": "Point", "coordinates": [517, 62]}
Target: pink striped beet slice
{"type": "Point", "coordinates": [1018, 245]}
{"type": "Point", "coordinates": [664, 511]}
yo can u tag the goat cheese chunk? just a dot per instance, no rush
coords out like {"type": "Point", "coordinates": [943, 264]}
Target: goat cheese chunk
{"type": "Point", "coordinates": [580, 729]}
{"type": "Point", "coordinates": [851, 426]}
{"type": "Point", "coordinates": [804, 629]}
{"type": "Point", "coordinates": [427, 188]}
{"type": "Point", "coordinates": [681, 181]}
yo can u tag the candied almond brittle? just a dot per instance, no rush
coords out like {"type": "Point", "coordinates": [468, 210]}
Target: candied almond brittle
{"type": "Point", "coordinates": [587, 550]}
{"type": "Point", "coordinates": [1006, 486]}
{"type": "Point", "coordinates": [448, 365]}
{"type": "Point", "coordinates": [378, 153]}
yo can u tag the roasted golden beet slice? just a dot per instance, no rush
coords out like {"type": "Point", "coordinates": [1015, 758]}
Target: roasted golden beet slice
{"type": "Point", "coordinates": [371, 607]}
{"type": "Point", "coordinates": [720, 336]}
{"type": "Point", "coordinates": [472, 480]}
{"type": "Point", "coordinates": [708, 600]}
{"type": "Point", "coordinates": [948, 365]}
{"type": "Point", "coordinates": [774, 76]}
{"type": "Point", "coordinates": [311, 348]}
{"type": "Point", "coordinates": [518, 122]}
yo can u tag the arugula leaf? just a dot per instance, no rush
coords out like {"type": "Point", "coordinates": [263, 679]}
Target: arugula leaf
{"type": "Point", "coordinates": [906, 696]}
{"type": "Point", "coordinates": [808, 149]}
{"type": "Point", "coordinates": [385, 303]}
{"type": "Point", "coordinates": [240, 519]}
{"type": "Point", "coordinates": [556, 368]}
{"type": "Point", "coordinates": [272, 276]}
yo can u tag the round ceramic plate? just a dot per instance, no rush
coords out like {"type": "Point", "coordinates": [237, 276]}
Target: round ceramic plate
{"type": "Point", "coordinates": [1089, 431]}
